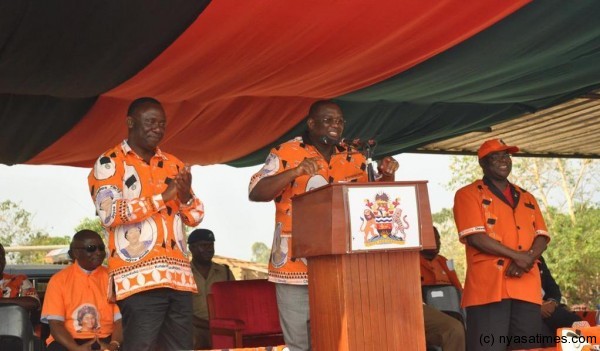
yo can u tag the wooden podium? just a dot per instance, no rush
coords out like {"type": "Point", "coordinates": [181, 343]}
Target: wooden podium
{"type": "Point", "coordinates": [360, 298]}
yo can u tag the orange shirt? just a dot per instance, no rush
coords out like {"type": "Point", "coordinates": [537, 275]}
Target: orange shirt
{"type": "Point", "coordinates": [437, 272]}
{"type": "Point", "coordinates": [344, 166]}
{"type": "Point", "coordinates": [78, 298]}
{"type": "Point", "coordinates": [479, 208]}
{"type": "Point", "coordinates": [17, 286]}
{"type": "Point", "coordinates": [146, 237]}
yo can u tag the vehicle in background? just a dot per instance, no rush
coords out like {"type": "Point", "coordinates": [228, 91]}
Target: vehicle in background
{"type": "Point", "coordinates": [58, 256]}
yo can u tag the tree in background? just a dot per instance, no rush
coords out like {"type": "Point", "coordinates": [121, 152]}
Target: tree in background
{"type": "Point", "coordinates": [260, 252]}
{"type": "Point", "coordinates": [16, 230]}
{"type": "Point", "coordinates": [573, 256]}
{"type": "Point", "coordinates": [91, 223]}
{"type": "Point", "coordinates": [567, 190]}
{"type": "Point", "coordinates": [40, 239]}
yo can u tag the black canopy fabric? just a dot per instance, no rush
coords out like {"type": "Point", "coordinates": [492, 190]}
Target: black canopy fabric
{"type": "Point", "coordinates": [58, 57]}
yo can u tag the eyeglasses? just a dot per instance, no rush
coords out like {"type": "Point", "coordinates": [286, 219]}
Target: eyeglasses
{"type": "Point", "coordinates": [498, 157]}
{"type": "Point", "coordinates": [91, 248]}
{"type": "Point", "coordinates": [331, 121]}
{"type": "Point", "coordinates": [153, 123]}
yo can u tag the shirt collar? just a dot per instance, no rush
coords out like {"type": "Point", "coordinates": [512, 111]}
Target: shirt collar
{"type": "Point", "coordinates": [127, 149]}
{"type": "Point", "coordinates": [500, 194]}
{"type": "Point", "coordinates": [83, 270]}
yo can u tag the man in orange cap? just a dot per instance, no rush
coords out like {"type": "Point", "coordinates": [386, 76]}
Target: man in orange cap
{"type": "Point", "coordinates": [505, 234]}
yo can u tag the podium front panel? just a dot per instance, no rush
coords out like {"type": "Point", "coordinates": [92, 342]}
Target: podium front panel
{"type": "Point", "coordinates": [322, 223]}
{"type": "Point", "coordinates": [383, 217]}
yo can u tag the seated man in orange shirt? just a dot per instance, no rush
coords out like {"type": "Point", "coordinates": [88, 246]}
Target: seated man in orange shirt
{"type": "Point", "coordinates": [435, 269]}
{"type": "Point", "coordinates": [440, 328]}
{"type": "Point", "coordinates": [76, 305]}
{"type": "Point", "coordinates": [17, 289]}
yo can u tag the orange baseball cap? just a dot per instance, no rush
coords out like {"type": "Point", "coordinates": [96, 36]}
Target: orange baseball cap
{"type": "Point", "coordinates": [495, 145]}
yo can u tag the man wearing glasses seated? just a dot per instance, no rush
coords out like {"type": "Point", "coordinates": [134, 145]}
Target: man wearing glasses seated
{"type": "Point", "coordinates": [76, 306]}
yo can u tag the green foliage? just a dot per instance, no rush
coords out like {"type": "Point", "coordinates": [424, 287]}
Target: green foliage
{"type": "Point", "coordinates": [15, 224]}
{"type": "Point", "coordinates": [92, 223]}
{"type": "Point", "coordinates": [260, 252]}
{"type": "Point", "coordinates": [16, 230]}
{"type": "Point", "coordinates": [464, 170]}
{"type": "Point", "coordinates": [40, 239]}
{"type": "Point", "coordinates": [573, 257]}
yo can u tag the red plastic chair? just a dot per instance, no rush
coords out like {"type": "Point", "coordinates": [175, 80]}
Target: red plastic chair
{"type": "Point", "coordinates": [243, 313]}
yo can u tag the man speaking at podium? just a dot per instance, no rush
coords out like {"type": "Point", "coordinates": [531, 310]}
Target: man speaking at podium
{"type": "Point", "coordinates": [304, 163]}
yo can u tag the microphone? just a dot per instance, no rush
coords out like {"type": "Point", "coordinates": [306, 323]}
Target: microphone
{"type": "Point", "coordinates": [358, 144]}
{"type": "Point", "coordinates": [365, 147]}
{"type": "Point", "coordinates": [325, 140]}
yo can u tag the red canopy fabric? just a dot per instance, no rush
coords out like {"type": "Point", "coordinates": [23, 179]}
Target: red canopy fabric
{"type": "Point", "coordinates": [243, 74]}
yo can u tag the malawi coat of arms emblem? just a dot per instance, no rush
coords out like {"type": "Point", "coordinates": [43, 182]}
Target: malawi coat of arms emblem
{"type": "Point", "coordinates": [383, 222]}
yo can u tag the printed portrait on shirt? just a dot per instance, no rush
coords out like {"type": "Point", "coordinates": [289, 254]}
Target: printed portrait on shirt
{"type": "Point", "coordinates": [105, 203]}
{"type": "Point", "coordinates": [179, 231]}
{"type": "Point", "coordinates": [86, 319]}
{"type": "Point", "coordinates": [279, 254]}
{"type": "Point", "coordinates": [271, 165]}
{"type": "Point", "coordinates": [135, 240]}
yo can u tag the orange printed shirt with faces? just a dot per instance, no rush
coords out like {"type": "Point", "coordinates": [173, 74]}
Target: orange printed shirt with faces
{"type": "Point", "coordinates": [478, 210]}
{"type": "Point", "coordinates": [146, 237]}
{"type": "Point", "coordinates": [78, 298]}
{"type": "Point", "coordinates": [344, 166]}
{"type": "Point", "coordinates": [17, 286]}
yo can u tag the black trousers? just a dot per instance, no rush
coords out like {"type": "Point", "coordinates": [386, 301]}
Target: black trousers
{"type": "Point", "coordinates": [55, 346]}
{"type": "Point", "coordinates": [157, 320]}
{"type": "Point", "coordinates": [508, 324]}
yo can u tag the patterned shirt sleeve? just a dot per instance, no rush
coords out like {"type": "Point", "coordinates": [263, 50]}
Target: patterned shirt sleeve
{"type": "Point", "coordinates": [273, 165]}
{"type": "Point", "coordinates": [192, 214]}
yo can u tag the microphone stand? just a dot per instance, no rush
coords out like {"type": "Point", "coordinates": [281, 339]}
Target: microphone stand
{"type": "Point", "coordinates": [369, 156]}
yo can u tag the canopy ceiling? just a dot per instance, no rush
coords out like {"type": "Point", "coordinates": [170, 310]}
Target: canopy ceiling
{"type": "Point", "coordinates": [237, 77]}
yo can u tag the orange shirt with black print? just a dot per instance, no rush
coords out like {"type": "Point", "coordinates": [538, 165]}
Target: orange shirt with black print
{"type": "Point", "coordinates": [437, 272]}
{"type": "Point", "coordinates": [18, 285]}
{"type": "Point", "coordinates": [481, 208]}
{"type": "Point", "coordinates": [344, 166]}
{"type": "Point", "coordinates": [146, 235]}
{"type": "Point", "coordinates": [78, 298]}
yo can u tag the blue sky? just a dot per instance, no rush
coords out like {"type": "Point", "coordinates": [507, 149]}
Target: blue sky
{"type": "Point", "coordinates": [58, 198]}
